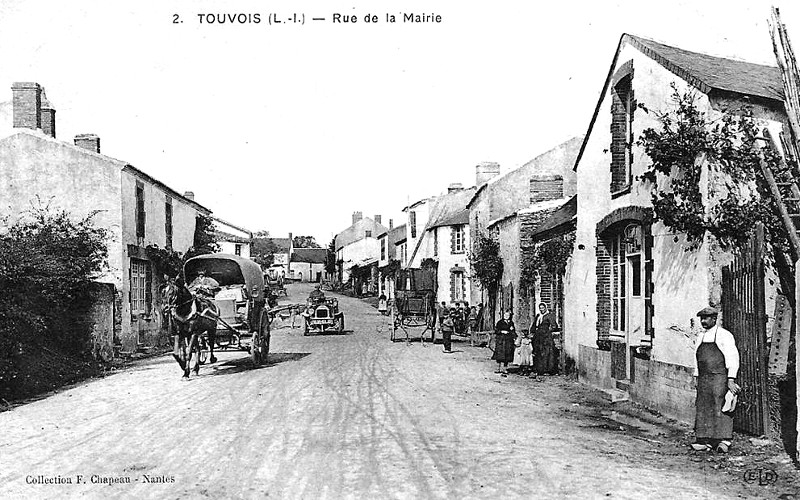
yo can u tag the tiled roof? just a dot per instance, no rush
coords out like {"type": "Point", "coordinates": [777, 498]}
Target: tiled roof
{"type": "Point", "coordinates": [232, 238]}
{"type": "Point", "coordinates": [460, 217]}
{"type": "Point", "coordinates": [711, 72]}
{"type": "Point", "coordinates": [705, 72]}
{"type": "Point", "coordinates": [563, 216]}
{"type": "Point", "coordinates": [311, 255]}
{"type": "Point", "coordinates": [449, 205]}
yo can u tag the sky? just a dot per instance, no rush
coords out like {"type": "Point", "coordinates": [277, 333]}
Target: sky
{"type": "Point", "coordinates": [292, 127]}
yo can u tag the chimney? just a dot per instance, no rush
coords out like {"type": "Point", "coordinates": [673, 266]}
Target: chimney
{"type": "Point", "coordinates": [377, 219]}
{"type": "Point", "coordinates": [391, 224]}
{"type": "Point", "coordinates": [88, 141]}
{"type": "Point", "coordinates": [456, 186]}
{"type": "Point", "coordinates": [485, 171]}
{"type": "Point", "coordinates": [189, 195]}
{"type": "Point", "coordinates": [48, 117]}
{"type": "Point", "coordinates": [357, 216]}
{"type": "Point", "coordinates": [27, 105]}
{"type": "Point", "coordinates": [546, 187]}
{"type": "Point", "coordinates": [291, 240]}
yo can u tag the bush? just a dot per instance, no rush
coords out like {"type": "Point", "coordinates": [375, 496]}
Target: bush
{"type": "Point", "coordinates": [47, 264]}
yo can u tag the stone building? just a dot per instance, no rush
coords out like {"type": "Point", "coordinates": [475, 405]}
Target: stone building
{"type": "Point", "coordinates": [308, 264]}
{"type": "Point", "coordinates": [509, 208]}
{"type": "Point", "coordinates": [358, 249]}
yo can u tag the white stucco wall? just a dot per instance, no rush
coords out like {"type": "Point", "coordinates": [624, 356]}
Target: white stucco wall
{"type": "Point", "coordinates": [684, 282]}
{"type": "Point", "coordinates": [33, 165]}
{"type": "Point", "coordinates": [230, 247]}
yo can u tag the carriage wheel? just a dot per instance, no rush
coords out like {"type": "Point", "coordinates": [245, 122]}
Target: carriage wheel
{"type": "Point", "coordinates": [265, 334]}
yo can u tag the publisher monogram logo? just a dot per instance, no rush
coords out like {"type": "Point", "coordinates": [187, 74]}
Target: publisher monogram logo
{"type": "Point", "coordinates": [761, 476]}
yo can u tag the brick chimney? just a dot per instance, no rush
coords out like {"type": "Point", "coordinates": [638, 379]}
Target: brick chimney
{"type": "Point", "coordinates": [378, 219]}
{"type": "Point", "coordinates": [189, 195]}
{"type": "Point", "coordinates": [357, 216]}
{"type": "Point", "coordinates": [546, 187]}
{"type": "Point", "coordinates": [27, 105]}
{"type": "Point", "coordinates": [485, 171]}
{"type": "Point", "coordinates": [88, 141]}
{"type": "Point", "coordinates": [48, 117]}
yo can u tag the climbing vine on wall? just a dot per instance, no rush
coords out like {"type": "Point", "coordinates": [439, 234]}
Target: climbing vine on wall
{"type": "Point", "coordinates": [728, 146]}
{"type": "Point", "coordinates": [487, 266]}
{"type": "Point", "coordinates": [549, 257]}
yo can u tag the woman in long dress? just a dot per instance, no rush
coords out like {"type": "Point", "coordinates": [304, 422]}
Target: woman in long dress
{"type": "Point", "coordinates": [544, 348]}
{"type": "Point", "coordinates": [505, 334]}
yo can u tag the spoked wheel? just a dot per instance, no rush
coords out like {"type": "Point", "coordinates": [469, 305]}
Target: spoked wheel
{"type": "Point", "coordinates": [265, 332]}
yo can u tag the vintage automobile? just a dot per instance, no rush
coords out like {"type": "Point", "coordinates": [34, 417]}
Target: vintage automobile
{"type": "Point", "coordinates": [322, 314]}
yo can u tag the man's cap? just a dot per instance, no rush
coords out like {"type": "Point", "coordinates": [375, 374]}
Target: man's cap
{"type": "Point", "coordinates": [707, 311]}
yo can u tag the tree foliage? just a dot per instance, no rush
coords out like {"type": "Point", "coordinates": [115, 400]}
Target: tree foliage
{"type": "Point", "coordinates": [688, 141]}
{"type": "Point", "coordinates": [330, 263]}
{"type": "Point", "coordinates": [48, 261]}
{"type": "Point", "coordinates": [487, 266]}
{"type": "Point", "coordinates": [263, 249]}
{"type": "Point", "coordinates": [305, 242]}
{"type": "Point", "coordinates": [166, 262]}
{"type": "Point", "coordinates": [205, 237]}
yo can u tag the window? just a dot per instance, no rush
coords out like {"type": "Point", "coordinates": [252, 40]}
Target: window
{"type": "Point", "coordinates": [412, 221]}
{"type": "Point", "coordinates": [141, 279]}
{"type": "Point", "coordinates": [623, 106]}
{"type": "Point", "coordinates": [140, 213]}
{"type": "Point", "coordinates": [383, 248]}
{"type": "Point", "coordinates": [168, 222]}
{"type": "Point", "coordinates": [618, 311]}
{"type": "Point", "coordinates": [435, 241]}
{"type": "Point", "coordinates": [368, 234]}
{"type": "Point", "coordinates": [457, 291]}
{"type": "Point", "coordinates": [237, 249]}
{"type": "Point", "coordinates": [457, 239]}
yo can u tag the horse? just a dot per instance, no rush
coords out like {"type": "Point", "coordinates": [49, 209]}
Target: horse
{"type": "Point", "coordinates": [189, 316]}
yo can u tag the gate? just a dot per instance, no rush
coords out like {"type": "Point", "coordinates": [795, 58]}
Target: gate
{"type": "Point", "coordinates": [743, 314]}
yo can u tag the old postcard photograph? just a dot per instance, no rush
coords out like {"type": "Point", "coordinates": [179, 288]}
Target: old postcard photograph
{"type": "Point", "coordinates": [399, 249]}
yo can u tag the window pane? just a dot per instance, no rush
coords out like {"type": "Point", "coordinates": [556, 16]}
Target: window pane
{"type": "Point", "coordinates": [636, 276]}
{"type": "Point", "coordinates": [622, 314]}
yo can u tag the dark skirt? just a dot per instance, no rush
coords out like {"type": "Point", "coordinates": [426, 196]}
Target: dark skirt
{"type": "Point", "coordinates": [503, 348]}
{"type": "Point", "coordinates": [544, 354]}
{"type": "Point", "coordinates": [710, 422]}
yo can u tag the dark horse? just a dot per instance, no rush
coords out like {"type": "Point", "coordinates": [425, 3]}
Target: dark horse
{"type": "Point", "coordinates": [188, 317]}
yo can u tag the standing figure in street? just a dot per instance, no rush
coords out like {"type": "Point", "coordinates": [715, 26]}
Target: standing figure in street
{"type": "Point", "coordinates": [472, 325]}
{"type": "Point", "coordinates": [448, 326]}
{"type": "Point", "coordinates": [716, 370]}
{"type": "Point", "coordinates": [544, 349]}
{"type": "Point", "coordinates": [441, 314]}
{"type": "Point", "coordinates": [505, 333]}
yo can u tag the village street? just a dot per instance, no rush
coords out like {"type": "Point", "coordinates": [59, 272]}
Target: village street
{"type": "Point", "coordinates": [343, 416]}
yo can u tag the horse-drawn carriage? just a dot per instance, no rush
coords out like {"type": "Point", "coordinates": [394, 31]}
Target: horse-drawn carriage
{"type": "Point", "coordinates": [414, 306]}
{"type": "Point", "coordinates": [232, 316]}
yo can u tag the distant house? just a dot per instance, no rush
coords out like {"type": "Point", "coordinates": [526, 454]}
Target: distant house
{"type": "Point", "coordinates": [134, 207]}
{"type": "Point", "coordinates": [358, 253]}
{"type": "Point", "coordinates": [444, 240]}
{"type": "Point", "coordinates": [389, 260]}
{"type": "Point", "coordinates": [233, 239]}
{"type": "Point", "coordinates": [281, 257]}
{"type": "Point", "coordinates": [633, 286]}
{"type": "Point", "coordinates": [308, 264]}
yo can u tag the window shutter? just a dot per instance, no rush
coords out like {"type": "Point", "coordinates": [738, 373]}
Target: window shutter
{"type": "Point", "coordinates": [148, 288]}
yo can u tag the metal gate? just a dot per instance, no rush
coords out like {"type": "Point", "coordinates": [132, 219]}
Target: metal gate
{"type": "Point", "coordinates": [743, 314]}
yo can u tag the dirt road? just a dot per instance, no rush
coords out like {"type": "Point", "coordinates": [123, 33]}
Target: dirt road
{"type": "Point", "coordinates": [336, 416]}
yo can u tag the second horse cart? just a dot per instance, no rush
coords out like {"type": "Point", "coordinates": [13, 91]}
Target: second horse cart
{"type": "Point", "coordinates": [413, 312]}
{"type": "Point", "coordinates": [242, 319]}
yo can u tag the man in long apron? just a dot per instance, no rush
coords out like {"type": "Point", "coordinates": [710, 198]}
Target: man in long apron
{"type": "Point", "coordinates": [716, 369]}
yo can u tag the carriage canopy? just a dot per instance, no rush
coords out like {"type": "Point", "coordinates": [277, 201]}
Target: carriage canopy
{"type": "Point", "coordinates": [228, 269]}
